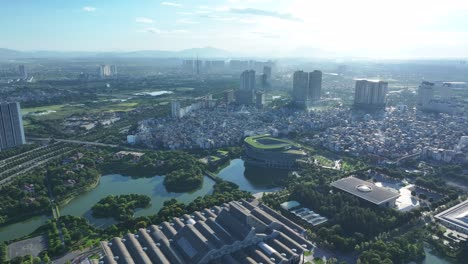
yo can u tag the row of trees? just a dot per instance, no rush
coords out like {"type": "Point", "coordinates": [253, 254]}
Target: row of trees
{"type": "Point", "coordinates": [120, 207]}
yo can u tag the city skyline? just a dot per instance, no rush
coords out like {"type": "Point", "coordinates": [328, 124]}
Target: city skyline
{"type": "Point", "coordinates": [251, 27]}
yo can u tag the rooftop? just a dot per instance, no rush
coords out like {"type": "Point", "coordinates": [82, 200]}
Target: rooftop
{"type": "Point", "coordinates": [456, 215]}
{"type": "Point", "coordinates": [237, 232]}
{"type": "Point", "coordinates": [268, 143]}
{"type": "Point", "coordinates": [365, 190]}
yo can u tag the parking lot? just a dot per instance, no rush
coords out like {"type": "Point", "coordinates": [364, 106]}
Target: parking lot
{"type": "Point", "coordinates": [32, 246]}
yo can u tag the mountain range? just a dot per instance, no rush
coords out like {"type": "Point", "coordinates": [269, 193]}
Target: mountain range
{"type": "Point", "coordinates": [206, 52]}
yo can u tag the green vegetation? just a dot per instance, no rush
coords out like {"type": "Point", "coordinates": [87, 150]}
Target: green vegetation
{"type": "Point", "coordinates": [402, 249]}
{"type": "Point", "coordinates": [120, 207]}
{"type": "Point", "coordinates": [267, 142]}
{"type": "Point", "coordinates": [5, 154]}
{"type": "Point", "coordinates": [3, 252]}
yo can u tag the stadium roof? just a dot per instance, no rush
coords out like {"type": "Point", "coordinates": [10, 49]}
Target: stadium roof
{"type": "Point", "coordinates": [365, 190]}
{"type": "Point", "coordinates": [456, 215]}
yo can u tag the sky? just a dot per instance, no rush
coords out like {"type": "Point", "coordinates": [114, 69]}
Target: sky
{"type": "Point", "coordinates": [370, 28]}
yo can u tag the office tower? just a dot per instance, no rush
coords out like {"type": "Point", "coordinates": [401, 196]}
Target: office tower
{"type": "Point", "coordinates": [315, 86]}
{"type": "Point", "coordinates": [259, 100]}
{"type": "Point", "coordinates": [11, 126]}
{"type": "Point", "coordinates": [300, 88]}
{"type": "Point", "coordinates": [370, 94]}
{"type": "Point", "coordinates": [198, 66]}
{"type": "Point", "coordinates": [175, 109]}
{"type": "Point", "coordinates": [425, 93]}
{"type": "Point", "coordinates": [23, 72]}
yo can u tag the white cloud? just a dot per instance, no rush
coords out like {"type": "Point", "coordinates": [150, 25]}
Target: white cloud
{"type": "Point", "coordinates": [171, 4]}
{"type": "Point", "coordinates": [89, 9]}
{"type": "Point", "coordinates": [186, 21]}
{"type": "Point", "coordinates": [144, 20]}
{"type": "Point", "coordinates": [154, 30]}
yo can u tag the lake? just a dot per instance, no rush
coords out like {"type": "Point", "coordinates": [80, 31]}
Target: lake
{"type": "Point", "coordinates": [155, 93]}
{"type": "Point", "coordinates": [251, 179]}
{"type": "Point", "coordinates": [110, 184]}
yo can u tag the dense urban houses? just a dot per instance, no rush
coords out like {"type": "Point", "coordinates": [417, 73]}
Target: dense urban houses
{"type": "Point", "coordinates": [238, 232]}
{"type": "Point", "coordinates": [11, 126]}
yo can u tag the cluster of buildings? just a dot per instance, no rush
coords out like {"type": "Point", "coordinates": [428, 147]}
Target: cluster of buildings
{"type": "Point", "coordinates": [106, 70]}
{"type": "Point", "coordinates": [437, 97]}
{"type": "Point", "coordinates": [234, 233]}
{"type": "Point", "coordinates": [370, 94]}
{"type": "Point", "coordinates": [178, 111]}
{"type": "Point", "coordinates": [400, 134]}
{"type": "Point", "coordinates": [223, 126]}
{"type": "Point", "coordinates": [307, 88]}
{"type": "Point", "coordinates": [75, 124]}
{"type": "Point", "coordinates": [11, 126]}
{"type": "Point", "coordinates": [197, 67]}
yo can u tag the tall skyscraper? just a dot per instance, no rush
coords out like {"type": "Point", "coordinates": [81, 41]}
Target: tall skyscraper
{"type": "Point", "coordinates": [307, 87]}
{"type": "Point", "coordinates": [259, 100]}
{"type": "Point", "coordinates": [300, 88]}
{"type": "Point", "coordinates": [247, 80]}
{"type": "Point", "coordinates": [175, 109]}
{"type": "Point", "coordinates": [425, 93]}
{"type": "Point", "coordinates": [266, 77]}
{"type": "Point", "coordinates": [370, 94]}
{"type": "Point", "coordinates": [246, 93]}
{"type": "Point", "coordinates": [11, 126]}
{"type": "Point", "coordinates": [315, 86]}
{"type": "Point", "coordinates": [23, 72]}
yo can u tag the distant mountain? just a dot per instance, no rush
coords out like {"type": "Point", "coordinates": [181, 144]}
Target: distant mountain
{"type": "Point", "coordinates": [206, 52]}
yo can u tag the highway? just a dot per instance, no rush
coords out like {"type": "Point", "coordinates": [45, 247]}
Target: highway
{"type": "Point", "coordinates": [75, 142]}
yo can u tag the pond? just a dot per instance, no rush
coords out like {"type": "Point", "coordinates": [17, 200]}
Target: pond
{"type": "Point", "coordinates": [110, 184]}
{"type": "Point", "coordinates": [251, 179]}
{"type": "Point", "coordinates": [155, 93]}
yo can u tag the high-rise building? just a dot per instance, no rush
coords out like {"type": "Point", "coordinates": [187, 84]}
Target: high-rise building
{"type": "Point", "coordinates": [175, 109]}
{"type": "Point", "coordinates": [370, 94]}
{"type": "Point", "coordinates": [259, 100]}
{"type": "Point", "coordinates": [229, 96]}
{"type": "Point", "coordinates": [266, 77]}
{"type": "Point", "coordinates": [246, 93]}
{"type": "Point", "coordinates": [315, 86]}
{"type": "Point", "coordinates": [300, 88]}
{"type": "Point", "coordinates": [425, 93]}
{"type": "Point", "coordinates": [106, 70]}
{"type": "Point", "coordinates": [247, 80]}
{"type": "Point", "coordinates": [113, 70]}
{"type": "Point", "coordinates": [23, 72]}
{"type": "Point", "coordinates": [11, 126]}
{"type": "Point", "coordinates": [307, 87]}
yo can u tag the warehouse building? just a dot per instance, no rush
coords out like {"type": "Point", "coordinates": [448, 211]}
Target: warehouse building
{"type": "Point", "coordinates": [238, 232]}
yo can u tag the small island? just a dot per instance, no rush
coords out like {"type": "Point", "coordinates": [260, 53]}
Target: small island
{"type": "Point", "coordinates": [120, 207]}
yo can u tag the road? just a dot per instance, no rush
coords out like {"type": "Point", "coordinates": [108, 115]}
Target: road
{"type": "Point", "coordinates": [75, 142]}
{"type": "Point", "coordinates": [33, 164]}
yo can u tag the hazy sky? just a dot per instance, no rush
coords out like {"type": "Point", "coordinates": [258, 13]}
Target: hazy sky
{"type": "Point", "coordinates": [375, 28]}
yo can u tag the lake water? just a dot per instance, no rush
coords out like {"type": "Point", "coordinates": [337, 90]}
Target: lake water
{"type": "Point", "coordinates": [110, 184]}
{"type": "Point", "coordinates": [431, 258]}
{"type": "Point", "coordinates": [155, 93]}
{"type": "Point", "coordinates": [251, 179]}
